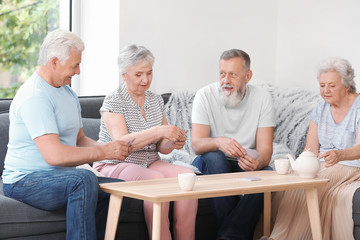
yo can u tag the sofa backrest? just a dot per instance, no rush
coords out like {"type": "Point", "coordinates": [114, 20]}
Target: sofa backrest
{"type": "Point", "coordinates": [91, 119]}
{"type": "Point", "coordinates": [4, 139]}
{"type": "Point", "coordinates": [90, 106]}
{"type": "Point", "coordinates": [5, 104]}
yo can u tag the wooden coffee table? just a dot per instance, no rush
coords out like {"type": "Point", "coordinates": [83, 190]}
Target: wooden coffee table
{"type": "Point", "coordinates": [208, 186]}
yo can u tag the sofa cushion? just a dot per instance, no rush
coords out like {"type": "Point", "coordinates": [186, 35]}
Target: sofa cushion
{"type": "Point", "coordinates": [4, 139]}
{"type": "Point", "coordinates": [20, 219]}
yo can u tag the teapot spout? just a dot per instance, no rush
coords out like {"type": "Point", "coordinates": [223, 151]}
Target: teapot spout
{"type": "Point", "coordinates": [292, 161]}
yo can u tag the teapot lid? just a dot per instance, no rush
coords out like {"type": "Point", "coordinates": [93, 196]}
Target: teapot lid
{"type": "Point", "coordinates": [307, 153]}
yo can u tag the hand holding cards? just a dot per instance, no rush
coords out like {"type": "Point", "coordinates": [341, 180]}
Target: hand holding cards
{"type": "Point", "coordinates": [131, 142]}
{"type": "Point", "coordinates": [169, 144]}
{"type": "Point", "coordinates": [252, 153]}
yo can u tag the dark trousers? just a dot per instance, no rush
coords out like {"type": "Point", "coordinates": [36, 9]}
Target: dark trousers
{"type": "Point", "coordinates": [236, 216]}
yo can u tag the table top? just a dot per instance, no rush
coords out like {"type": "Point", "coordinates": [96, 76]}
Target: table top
{"type": "Point", "coordinates": [167, 189]}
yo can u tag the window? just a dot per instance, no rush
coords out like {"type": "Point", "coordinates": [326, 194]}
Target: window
{"type": "Point", "coordinates": [23, 26]}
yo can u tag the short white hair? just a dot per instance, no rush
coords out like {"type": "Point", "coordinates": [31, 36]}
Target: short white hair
{"type": "Point", "coordinates": [132, 55]}
{"type": "Point", "coordinates": [57, 44]}
{"type": "Point", "coordinates": [342, 67]}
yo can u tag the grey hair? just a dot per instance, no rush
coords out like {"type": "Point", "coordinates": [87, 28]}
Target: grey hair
{"type": "Point", "coordinates": [233, 53]}
{"type": "Point", "coordinates": [132, 55]}
{"type": "Point", "coordinates": [341, 66]}
{"type": "Point", "coordinates": [57, 44]}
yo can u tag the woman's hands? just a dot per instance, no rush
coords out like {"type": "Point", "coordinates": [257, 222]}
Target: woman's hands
{"type": "Point", "coordinates": [332, 157]}
{"type": "Point", "coordinates": [172, 133]}
{"type": "Point", "coordinates": [172, 137]}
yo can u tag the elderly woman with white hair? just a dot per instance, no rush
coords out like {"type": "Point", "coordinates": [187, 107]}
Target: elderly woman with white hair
{"type": "Point", "coordinates": [135, 114]}
{"type": "Point", "coordinates": [334, 136]}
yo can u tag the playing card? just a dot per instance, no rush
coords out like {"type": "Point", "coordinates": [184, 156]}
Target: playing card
{"type": "Point", "coordinates": [168, 144]}
{"type": "Point", "coordinates": [252, 153]}
{"type": "Point", "coordinates": [131, 142]}
{"type": "Point", "coordinates": [250, 179]}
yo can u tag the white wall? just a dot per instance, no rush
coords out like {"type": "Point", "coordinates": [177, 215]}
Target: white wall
{"type": "Point", "coordinates": [310, 31]}
{"type": "Point", "coordinates": [187, 37]}
{"type": "Point", "coordinates": [285, 39]}
{"type": "Point", "coordinates": [99, 28]}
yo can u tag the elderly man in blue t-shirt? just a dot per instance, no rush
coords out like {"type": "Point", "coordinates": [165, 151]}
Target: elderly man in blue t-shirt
{"type": "Point", "coordinates": [232, 131]}
{"type": "Point", "coordinates": [46, 142]}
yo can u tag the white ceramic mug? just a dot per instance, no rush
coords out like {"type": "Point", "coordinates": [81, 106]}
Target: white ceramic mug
{"type": "Point", "coordinates": [282, 166]}
{"type": "Point", "coordinates": [186, 181]}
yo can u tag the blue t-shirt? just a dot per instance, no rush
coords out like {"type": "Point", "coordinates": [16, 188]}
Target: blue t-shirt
{"type": "Point", "coordinates": [38, 109]}
{"type": "Point", "coordinates": [334, 136]}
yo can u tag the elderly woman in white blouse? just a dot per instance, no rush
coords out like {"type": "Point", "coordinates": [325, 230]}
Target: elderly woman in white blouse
{"type": "Point", "coordinates": [133, 113]}
{"type": "Point", "coordinates": [335, 137]}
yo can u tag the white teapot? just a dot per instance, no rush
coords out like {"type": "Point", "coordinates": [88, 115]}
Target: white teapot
{"type": "Point", "coordinates": [307, 165]}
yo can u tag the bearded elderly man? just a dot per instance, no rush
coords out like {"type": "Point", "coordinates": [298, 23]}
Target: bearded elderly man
{"type": "Point", "coordinates": [232, 131]}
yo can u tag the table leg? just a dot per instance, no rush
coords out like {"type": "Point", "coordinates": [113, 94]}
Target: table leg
{"type": "Point", "coordinates": [156, 221]}
{"type": "Point", "coordinates": [267, 213]}
{"type": "Point", "coordinates": [314, 213]}
{"type": "Point", "coordinates": [113, 216]}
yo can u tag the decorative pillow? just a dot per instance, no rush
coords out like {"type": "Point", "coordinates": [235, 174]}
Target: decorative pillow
{"type": "Point", "coordinates": [178, 112]}
{"type": "Point", "coordinates": [181, 158]}
{"type": "Point", "coordinates": [88, 167]}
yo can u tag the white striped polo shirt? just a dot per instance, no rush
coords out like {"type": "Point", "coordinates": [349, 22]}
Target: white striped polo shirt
{"type": "Point", "coordinates": [119, 101]}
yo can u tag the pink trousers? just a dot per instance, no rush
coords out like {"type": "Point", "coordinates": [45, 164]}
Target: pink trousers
{"type": "Point", "coordinates": [184, 210]}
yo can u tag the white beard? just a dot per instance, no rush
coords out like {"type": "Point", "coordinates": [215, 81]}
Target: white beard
{"type": "Point", "coordinates": [234, 99]}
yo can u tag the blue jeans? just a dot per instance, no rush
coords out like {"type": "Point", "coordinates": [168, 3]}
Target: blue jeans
{"type": "Point", "coordinates": [77, 190]}
{"type": "Point", "coordinates": [236, 216]}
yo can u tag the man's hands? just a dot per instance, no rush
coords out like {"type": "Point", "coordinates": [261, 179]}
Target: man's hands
{"type": "Point", "coordinates": [233, 149]}
{"type": "Point", "coordinates": [230, 147]}
{"type": "Point", "coordinates": [118, 150]}
{"type": "Point", "coordinates": [248, 163]}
